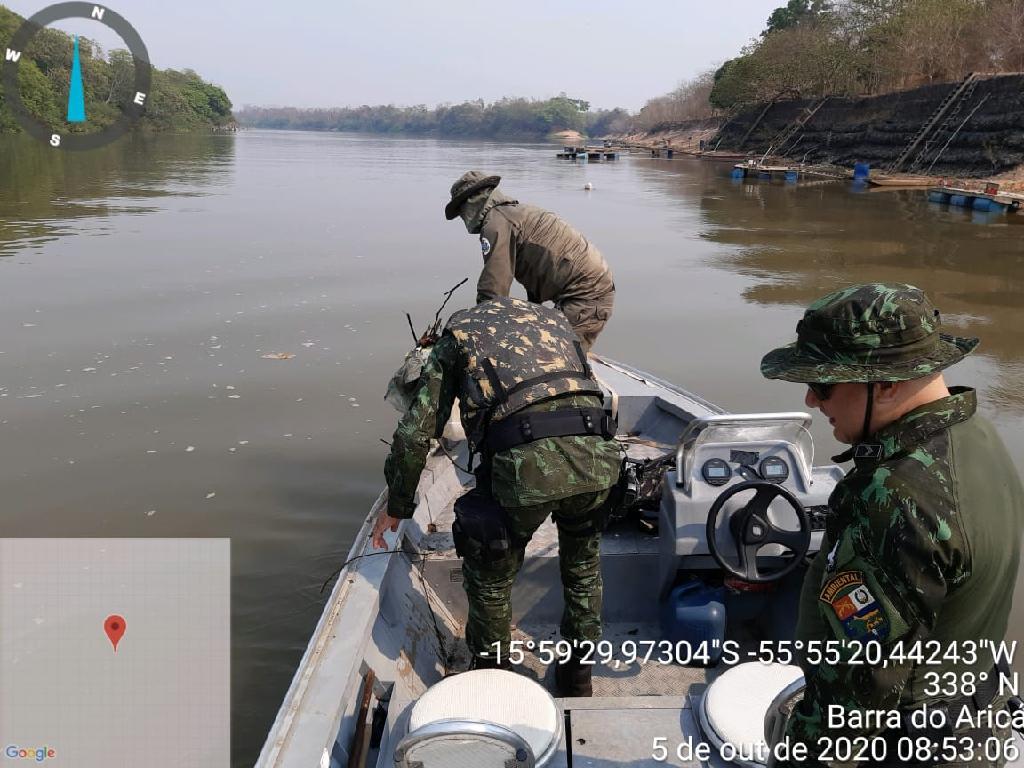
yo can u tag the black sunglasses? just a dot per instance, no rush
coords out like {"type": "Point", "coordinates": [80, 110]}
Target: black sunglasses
{"type": "Point", "coordinates": [821, 391]}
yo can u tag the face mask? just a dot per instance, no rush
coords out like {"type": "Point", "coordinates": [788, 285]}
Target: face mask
{"type": "Point", "coordinates": [472, 210]}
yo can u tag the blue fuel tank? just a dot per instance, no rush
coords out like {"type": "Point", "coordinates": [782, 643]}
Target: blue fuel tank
{"type": "Point", "coordinates": [695, 613]}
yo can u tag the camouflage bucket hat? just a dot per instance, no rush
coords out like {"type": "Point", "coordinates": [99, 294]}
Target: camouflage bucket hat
{"type": "Point", "coordinates": [468, 184]}
{"type": "Point", "coordinates": [873, 332]}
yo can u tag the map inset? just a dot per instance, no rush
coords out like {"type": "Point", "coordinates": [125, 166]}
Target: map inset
{"type": "Point", "coordinates": [115, 652]}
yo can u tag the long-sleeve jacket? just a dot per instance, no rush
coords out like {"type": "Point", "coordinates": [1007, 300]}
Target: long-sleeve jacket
{"type": "Point", "coordinates": [922, 545]}
{"type": "Point", "coordinates": [548, 257]}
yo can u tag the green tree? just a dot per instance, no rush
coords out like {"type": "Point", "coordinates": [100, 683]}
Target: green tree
{"type": "Point", "coordinates": [794, 13]}
{"type": "Point", "coordinates": [561, 114]}
{"type": "Point", "coordinates": [581, 104]}
{"type": "Point", "coordinates": [607, 122]}
{"type": "Point", "coordinates": [509, 117]}
{"type": "Point", "coordinates": [119, 89]}
{"type": "Point", "coordinates": [37, 94]}
{"type": "Point", "coordinates": [178, 101]}
{"type": "Point", "coordinates": [735, 83]}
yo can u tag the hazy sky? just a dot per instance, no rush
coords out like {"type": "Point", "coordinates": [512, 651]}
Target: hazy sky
{"type": "Point", "coordinates": [351, 52]}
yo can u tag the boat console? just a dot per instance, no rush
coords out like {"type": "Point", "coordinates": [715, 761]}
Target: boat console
{"type": "Point", "coordinates": [740, 513]}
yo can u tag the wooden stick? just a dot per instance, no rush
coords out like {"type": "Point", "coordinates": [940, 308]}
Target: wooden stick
{"type": "Point", "coordinates": [360, 742]}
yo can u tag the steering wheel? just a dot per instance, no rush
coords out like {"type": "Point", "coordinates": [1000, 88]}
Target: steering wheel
{"type": "Point", "coordinates": [752, 529]}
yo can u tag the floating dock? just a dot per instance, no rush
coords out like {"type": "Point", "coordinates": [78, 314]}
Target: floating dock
{"type": "Point", "coordinates": [791, 173]}
{"type": "Point", "coordinates": [713, 154]}
{"type": "Point", "coordinates": [766, 172]}
{"type": "Point", "coordinates": [585, 154]}
{"type": "Point", "coordinates": [990, 199]}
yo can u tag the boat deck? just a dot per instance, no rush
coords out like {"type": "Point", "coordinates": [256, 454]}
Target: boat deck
{"type": "Point", "coordinates": [628, 558]}
{"type": "Point", "coordinates": [394, 623]}
{"type": "Point", "coordinates": [612, 732]}
{"type": "Point", "coordinates": [629, 562]}
{"type": "Point", "coordinates": [619, 677]}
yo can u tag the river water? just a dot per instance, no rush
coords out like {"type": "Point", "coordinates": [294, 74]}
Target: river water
{"type": "Point", "coordinates": [141, 285]}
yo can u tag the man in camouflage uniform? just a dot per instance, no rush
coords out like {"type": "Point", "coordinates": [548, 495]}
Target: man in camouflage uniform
{"type": "Point", "coordinates": [511, 362]}
{"type": "Point", "coordinates": [548, 257]}
{"type": "Point", "coordinates": [923, 537]}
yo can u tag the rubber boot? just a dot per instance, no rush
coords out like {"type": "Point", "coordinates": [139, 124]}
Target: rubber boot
{"type": "Point", "coordinates": [574, 679]}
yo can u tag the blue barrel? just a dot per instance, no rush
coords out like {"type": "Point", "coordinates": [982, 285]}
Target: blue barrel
{"type": "Point", "coordinates": [582, 157]}
{"type": "Point", "coordinates": [792, 176]}
{"type": "Point", "coordinates": [695, 613]}
{"type": "Point", "coordinates": [960, 200]}
{"type": "Point", "coordinates": [981, 204]}
{"type": "Point", "coordinates": [861, 170]}
{"type": "Point", "coordinates": [738, 173]}
{"type": "Point", "coordinates": [934, 196]}
{"type": "Point", "coordinates": [995, 207]}
{"type": "Point", "coordinates": [764, 175]}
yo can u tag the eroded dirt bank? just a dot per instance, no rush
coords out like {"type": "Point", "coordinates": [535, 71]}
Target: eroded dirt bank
{"type": "Point", "coordinates": [981, 135]}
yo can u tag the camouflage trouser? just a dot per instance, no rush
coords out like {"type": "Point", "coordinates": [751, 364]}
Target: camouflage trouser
{"type": "Point", "coordinates": [588, 316]}
{"type": "Point", "coordinates": [489, 587]}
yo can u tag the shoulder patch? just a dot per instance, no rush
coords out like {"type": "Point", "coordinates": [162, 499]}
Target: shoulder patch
{"type": "Point", "coordinates": [485, 245]}
{"type": "Point", "coordinates": [838, 583]}
{"type": "Point", "coordinates": [855, 607]}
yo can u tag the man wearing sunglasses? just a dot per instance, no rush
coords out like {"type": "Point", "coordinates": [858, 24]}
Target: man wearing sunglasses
{"type": "Point", "coordinates": [922, 542]}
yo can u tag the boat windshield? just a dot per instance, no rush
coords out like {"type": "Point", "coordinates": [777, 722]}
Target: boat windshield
{"type": "Point", "coordinates": [748, 429]}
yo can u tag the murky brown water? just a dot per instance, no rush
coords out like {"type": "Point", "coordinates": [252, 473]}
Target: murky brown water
{"type": "Point", "coordinates": [140, 286]}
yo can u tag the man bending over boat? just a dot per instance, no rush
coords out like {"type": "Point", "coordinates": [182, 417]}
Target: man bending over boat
{"type": "Point", "coordinates": [548, 257]}
{"type": "Point", "coordinates": [532, 410]}
{"type": "Point", "coordinates": [922, 542]}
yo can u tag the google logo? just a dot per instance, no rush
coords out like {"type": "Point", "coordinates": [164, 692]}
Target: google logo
{"type": "Point", "coordinates": [39, 754]}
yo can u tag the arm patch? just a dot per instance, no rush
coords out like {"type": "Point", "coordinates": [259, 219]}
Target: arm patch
{"type": "Point", "coordinates": [855, 607]}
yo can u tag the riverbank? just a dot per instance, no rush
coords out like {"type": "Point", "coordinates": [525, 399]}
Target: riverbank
{"type": "Point", "coordinates": [980, 135]}
{"type": "Point", "coordinates": [685, 137]}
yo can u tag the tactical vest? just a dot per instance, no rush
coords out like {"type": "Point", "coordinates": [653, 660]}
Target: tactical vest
{"type": "Point", "coordinates": [517, 354]}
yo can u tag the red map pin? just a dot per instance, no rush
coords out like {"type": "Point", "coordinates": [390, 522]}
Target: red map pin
{"type": "Point", "coordinates": [114, 627]}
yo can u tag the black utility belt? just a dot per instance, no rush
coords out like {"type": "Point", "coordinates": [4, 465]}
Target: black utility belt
{"type": "Point", "coordinates": [521, 428]}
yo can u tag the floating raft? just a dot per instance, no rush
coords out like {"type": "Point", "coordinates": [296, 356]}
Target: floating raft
{"type": "Point", "coordinates": [585, 154]}
{"type": "Point", "coordinates": [989, 200]}
{"type": "Point", "coordinates": [766, 172]}
{"type": "Point", "coordinates": [668, 152]}
{"type": "Point", "coordinates": [900, 180]}
{"type": "Point", "coordinates": [714, 154]}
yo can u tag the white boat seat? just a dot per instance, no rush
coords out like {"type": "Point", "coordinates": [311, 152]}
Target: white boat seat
{"type": "Point", "coordinates": [733, 708]}
{"type": "Point", "coordinates": [479, 719]}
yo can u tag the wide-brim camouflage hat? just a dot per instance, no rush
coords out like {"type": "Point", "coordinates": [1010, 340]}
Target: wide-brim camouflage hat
{"type": "Point", "coordinates": [468, 185]}
{"type": "Point", "coordinates": [872, 332]}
